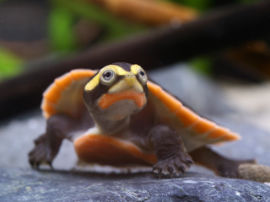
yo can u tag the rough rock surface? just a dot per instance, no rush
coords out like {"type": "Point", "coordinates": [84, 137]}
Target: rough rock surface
{"type": "Point", "coordinates": [26, 185]}
{"type": "Point", "coordinates": [19, 183]}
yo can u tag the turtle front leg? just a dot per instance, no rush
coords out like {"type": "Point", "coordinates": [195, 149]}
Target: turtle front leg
{"type": "Point", "coordinates": [48, 144]}
{"type": "Point", "coordinates": [173, 159]}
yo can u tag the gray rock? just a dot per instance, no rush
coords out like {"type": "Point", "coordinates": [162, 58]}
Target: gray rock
{"type": "Point", "coordinates": [254, 143]}
{"type": "Point", "coordinates": [27, 185]}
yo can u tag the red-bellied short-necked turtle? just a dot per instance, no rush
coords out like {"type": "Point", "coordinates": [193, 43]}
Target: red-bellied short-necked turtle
{"type": "Point", "coordinates": [122, 118]}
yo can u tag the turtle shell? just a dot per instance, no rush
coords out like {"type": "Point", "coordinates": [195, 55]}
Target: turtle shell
{"type": "Point", "coordinates": [65, 96]}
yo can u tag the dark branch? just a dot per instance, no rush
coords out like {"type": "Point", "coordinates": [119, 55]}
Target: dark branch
{"type": "Point", "coordinates": [217, 30]}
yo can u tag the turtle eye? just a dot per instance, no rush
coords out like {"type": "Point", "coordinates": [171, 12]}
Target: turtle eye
{"type": "Point", "coordinates": [107, 77]}
{"type": "Point", "coordinates": [142, 76]}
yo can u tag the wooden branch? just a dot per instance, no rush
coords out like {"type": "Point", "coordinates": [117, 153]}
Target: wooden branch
{"type": "Point", "coordinates": [218, 30]}
{"type": "Point", "coordinates": [148, 12]}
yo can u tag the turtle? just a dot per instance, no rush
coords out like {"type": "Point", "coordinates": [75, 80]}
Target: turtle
{"type": "Point", "coordinates": [117, 116]}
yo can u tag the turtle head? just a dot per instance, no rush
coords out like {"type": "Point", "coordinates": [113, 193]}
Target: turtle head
{"type": "Point", "coordinates": [117, 91]}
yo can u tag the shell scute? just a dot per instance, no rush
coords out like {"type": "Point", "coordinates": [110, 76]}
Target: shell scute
{"type": "Point", "coordinates": [77, 74]}
{"type": "Point", "coordinates": [188, 118]}
{"type": "Point", "coordinates": [48, 109]}
{"type": "Point", "coordinates": [63, 81]}
{"type": "Point", "coordinates": [52, 95]}
{"type": "Point", "coordinates": [203, 126]}
{"type": "Point", "coordinates": [195, 130]}
{"type": "Point", "coordinates": [59, 95]}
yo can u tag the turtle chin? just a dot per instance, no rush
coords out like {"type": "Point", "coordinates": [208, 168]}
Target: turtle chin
{"type": "Point", "coordinates": [121, 110]}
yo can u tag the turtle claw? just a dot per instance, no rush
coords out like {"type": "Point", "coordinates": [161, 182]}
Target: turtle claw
{"type": "Point", "coordinates": [41, 154]}
{"type": "Point", "coordinates": [173, 166]}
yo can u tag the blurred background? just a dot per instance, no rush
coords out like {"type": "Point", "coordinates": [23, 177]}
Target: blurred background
{"type": "Point", "coordinates": [214, 55]}
{"type": "Point", "coordinates": [42, 39]}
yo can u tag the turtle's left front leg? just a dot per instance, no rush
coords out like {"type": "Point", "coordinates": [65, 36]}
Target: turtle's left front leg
{"type": "Point", "coordinates": [173, 158]}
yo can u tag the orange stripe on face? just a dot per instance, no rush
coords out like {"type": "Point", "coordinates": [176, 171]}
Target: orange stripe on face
{"type": "Point", "coordinates": [108, 99]}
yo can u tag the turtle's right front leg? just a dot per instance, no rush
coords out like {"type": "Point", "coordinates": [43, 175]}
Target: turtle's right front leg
{"type": "Point", "coordinates": [48, 144]}
{"type": "Point", "coordinates": [173, 158]}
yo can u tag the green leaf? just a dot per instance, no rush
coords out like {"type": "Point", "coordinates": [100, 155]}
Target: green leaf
{"type": "Point", "coordinates": [115, 26]}
{"type": "Point", "coordinates": [61, 33]}
{"type": "Point", "coordinates": [10, 65]}
{"type": "Point", "coordinates": [202, 65]}
{"type": "Point", "coordinates": [200, 5]}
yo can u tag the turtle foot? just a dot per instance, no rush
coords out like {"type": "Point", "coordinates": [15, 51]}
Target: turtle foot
{"type": "Point", "coordinates": [231, 169]}
{"type": "Point", "coordinates": [173, 166]}
{"type": "Point", "coordinates": [41, 154]}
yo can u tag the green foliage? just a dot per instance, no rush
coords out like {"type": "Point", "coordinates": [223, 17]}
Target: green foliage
{"type": "Point", "coordinates": [115, 27]}
{"type": "Point", "coordinates": [202, 65]}
{"type": "Point", "coordinates": [60, 29]}
{"type": "Point", "coordinates": [9, 64]}
{"type": "Point", "coordinates": [200, 5]}
{"type": "Point", "coordinates": [203, 5]}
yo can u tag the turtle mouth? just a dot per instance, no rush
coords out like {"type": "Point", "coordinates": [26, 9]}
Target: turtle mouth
{"type": "Point", "coordinates": [107, 100]}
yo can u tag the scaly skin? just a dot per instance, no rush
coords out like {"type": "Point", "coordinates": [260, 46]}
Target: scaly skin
{"type": "Point", "coordinates": [48, 144]}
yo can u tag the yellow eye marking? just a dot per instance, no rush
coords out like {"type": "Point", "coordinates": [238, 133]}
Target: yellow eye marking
{"type": "Point", "coordinates": [95, 81]}
{"type": "Point", "coordinates": [92, 83]}
{"type": "Point", "coordinates": [117, 69]}
{"type": "Point", "coordinates": [135, 69]}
